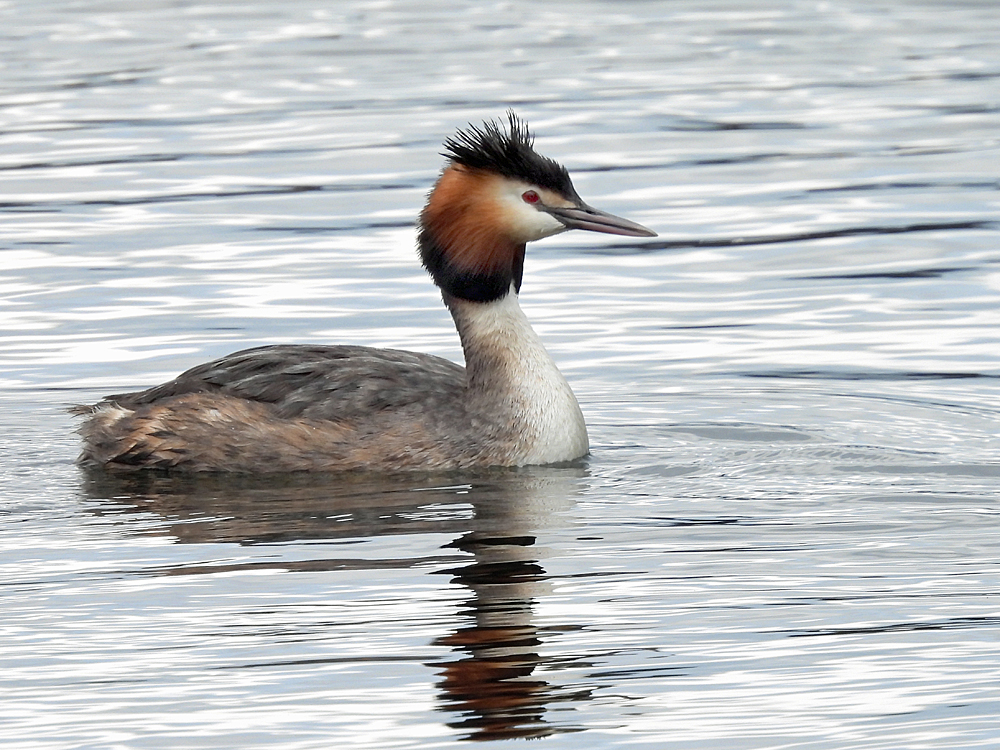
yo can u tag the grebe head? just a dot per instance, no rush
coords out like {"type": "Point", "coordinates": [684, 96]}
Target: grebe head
{"type": "Point", "coordinates": [494, 195]}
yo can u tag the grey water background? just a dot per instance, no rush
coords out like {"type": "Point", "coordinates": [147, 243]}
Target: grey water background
{"type": "Point", "coordinates": [787, 534]}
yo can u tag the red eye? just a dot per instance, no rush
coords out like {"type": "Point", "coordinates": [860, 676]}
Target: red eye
{"type": "Point", "coordinates": [530, 196]}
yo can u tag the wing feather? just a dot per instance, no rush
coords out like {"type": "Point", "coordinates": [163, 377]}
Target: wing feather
{"type": "Point", "coordinates": [316, 382]}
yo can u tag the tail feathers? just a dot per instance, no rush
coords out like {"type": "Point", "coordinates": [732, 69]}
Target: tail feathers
{"type": "Point", "coordinates": [114, 436]}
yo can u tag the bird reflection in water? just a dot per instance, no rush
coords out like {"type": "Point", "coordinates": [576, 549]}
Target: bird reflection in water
{"type": "Point", "coordinates": [493, 684]}
{"type": "Point", "coordinates": [490, 685]}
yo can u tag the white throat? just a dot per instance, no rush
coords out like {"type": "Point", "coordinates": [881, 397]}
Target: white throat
{"type": "Point", "coordinates": [510, 371]}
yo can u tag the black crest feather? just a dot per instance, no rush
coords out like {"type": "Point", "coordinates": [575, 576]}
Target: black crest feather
{"type": "Point", "coordinates": [508, 151]}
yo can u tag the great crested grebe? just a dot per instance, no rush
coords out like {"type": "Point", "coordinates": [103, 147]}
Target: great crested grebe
{"type": "Point", "coordinates": [331, 408]}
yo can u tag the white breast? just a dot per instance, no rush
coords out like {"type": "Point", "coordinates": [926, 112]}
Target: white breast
{"type": "Point", "coordinates": [504, 352]}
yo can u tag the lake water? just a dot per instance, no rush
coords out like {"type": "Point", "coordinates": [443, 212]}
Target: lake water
{"type": "Point", "coordinates": [788, 532]}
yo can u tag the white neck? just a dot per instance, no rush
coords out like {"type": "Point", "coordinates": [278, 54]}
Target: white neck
{"type": "Point", "coordinates": [517, 383]}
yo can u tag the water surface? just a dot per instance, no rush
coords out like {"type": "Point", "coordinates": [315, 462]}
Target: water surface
{"type": "Point", "coordinates": [787, 532]}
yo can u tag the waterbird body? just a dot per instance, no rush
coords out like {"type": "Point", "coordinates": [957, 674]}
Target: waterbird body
{"type": "Point", "coordinates": [330, 408]}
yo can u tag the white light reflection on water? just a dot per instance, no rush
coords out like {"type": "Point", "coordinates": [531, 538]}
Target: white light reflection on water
{"type": "Point", "coordinates": [786, 535]}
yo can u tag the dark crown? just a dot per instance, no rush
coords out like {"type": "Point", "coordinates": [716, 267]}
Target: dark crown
{"type": "Point", "coordinates": [508, 153]}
